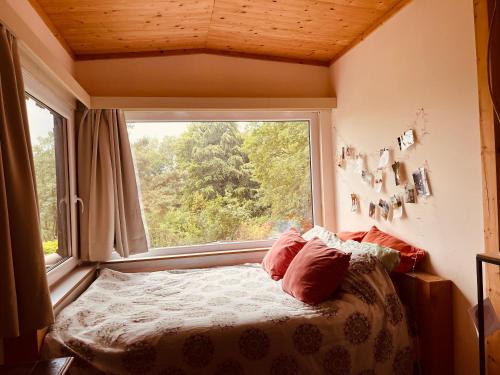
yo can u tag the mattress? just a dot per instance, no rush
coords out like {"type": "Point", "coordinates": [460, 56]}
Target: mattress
{"type": "Point", "coordinates": [232, 320]}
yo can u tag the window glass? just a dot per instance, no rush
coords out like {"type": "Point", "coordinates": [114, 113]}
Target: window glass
{"type": "Point", "coordinates": [205, 182]}
{"type": "Point", "coordinates": [49, 145]}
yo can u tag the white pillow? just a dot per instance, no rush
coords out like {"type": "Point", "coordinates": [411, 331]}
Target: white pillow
{"type": "Point", "coordinates": [329, 238]}
{"type": "Point", "coordinates": [388, 257]}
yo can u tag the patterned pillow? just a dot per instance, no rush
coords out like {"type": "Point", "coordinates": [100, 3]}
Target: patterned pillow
{"type": "Point", "coordinates": [329, 238]}
{"type": "Point", "coordinates": [388, 257]}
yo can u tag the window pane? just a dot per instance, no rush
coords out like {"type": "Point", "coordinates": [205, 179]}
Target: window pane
{"type": "Point", "coordinates": [48, 137]}
{"type": "Point", "coordinates": [205, 182]}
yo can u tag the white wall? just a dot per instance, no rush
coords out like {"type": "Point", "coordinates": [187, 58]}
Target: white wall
{"type": "Point", "coordinates": [202, 75]}
{"type": "Point", "coordinates": [422, 58]}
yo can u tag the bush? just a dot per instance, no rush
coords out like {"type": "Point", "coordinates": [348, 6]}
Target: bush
{"type": "Point", "coordinates": [50, 247]}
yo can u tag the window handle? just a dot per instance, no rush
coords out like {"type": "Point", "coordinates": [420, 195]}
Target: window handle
{"type": "Point", "coordinates": [61, 203]}
{"type": "Point", "coordinates": [78, 200]}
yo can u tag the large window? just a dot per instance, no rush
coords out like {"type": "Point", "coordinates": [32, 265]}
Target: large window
{"type": "Point", "coordinates": [49, 143]}
{"type": "Point", "coordinates": [222, 181]}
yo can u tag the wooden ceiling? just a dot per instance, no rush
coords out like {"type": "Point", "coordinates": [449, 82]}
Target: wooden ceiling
{"type": "Point", "coordinates": [307, 31]}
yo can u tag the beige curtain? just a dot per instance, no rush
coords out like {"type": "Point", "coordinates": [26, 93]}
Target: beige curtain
{"type": "Point", "coordinates": [111, 216]}
{"type": "Point", "coordinates": [24, 295]}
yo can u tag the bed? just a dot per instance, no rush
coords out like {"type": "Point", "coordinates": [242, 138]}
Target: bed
{"type": "Point", "coordinates": [233, 320]}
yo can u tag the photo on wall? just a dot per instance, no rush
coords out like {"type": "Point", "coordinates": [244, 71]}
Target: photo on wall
{"type": "Point", "coordinates": [396, 168]}
{"type": "Point", "coordinates": [359, 165]}
{"type": "Point", "coordinates": [379, 180]}
{"type": "Point", "coordinates": [406, 140]}
{"type": "Point", "coordinates": [384, 209]}
{"type": "Point", "coordinates": [367, 178]}
{"type": "Point", "coordinates": [372, 210]}
{"type": "Point", "coordinates": [349, 152]}
{"type": "Point", "coordinates": [354, 202]}
{"type": "Point", "coordinates": [397, 207]}
{"type": "Point", "coordinates": [341, 158]}
{"type": "Point", "coordinates": [384, 158]}
{"type": "Point", "coordinates": [421, 182]}
{"type": "Point", "coordinates": [410, 194]}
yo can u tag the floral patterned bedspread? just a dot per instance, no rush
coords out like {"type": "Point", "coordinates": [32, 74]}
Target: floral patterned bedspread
{"type": "Point", "coordinates": [232, 320]}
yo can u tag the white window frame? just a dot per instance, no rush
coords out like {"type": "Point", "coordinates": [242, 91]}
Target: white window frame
{"type": "Point", "coordinates": [237, 115]}
{"type": "Point", "coordinates": [54, 97]}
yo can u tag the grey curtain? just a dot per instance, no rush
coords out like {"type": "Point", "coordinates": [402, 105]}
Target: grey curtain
{"type": "Point", "coordinates": [24, 295]}
{"type": "Point", "coordinates": [111, 217]}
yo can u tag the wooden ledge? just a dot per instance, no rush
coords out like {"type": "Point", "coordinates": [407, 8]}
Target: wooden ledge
{"type": "Point", "coordinates": [71, 285]}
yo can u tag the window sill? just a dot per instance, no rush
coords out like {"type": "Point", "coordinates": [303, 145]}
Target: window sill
{"type": "Point", "coordinates": [66, 289]}
{"type": "Point", "coordinates": [192, 260]}
{"type": "Point", "coordinates": [61, 270]}
{"type": "Point", "coordinates": [150, 258]}
{"type": "Point", "coordinates": [189, 250]}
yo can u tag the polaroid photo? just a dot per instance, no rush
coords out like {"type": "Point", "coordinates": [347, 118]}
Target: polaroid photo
{"type": "Point", "coordinates": [379, 180]}
{"type": "Point", "coordinates": [384, 209]}
{"type": "Point", "coordinates": [354, 203]}
{"type": "Point", "coordinates": [410, 194]}
{"type": "Point", "coordinates": [421, 182]}
{"type": "Point", "coordinates": [406, 140]}
{"type": "Point", "coordinates": [359, 165]}
{"type": "Point", "coordinates": [396, 168]}
{"type": "Point", "coordinates": [367, 178]}
{"type": "Point", "coordinates": [372, 210]}
{"type": "Point", "coordinates": [341, 158]}
{"type": "Point", "coordinates": [397, 207]}
{"type": "Point", "coordinates": [349, 152]}
{"type": "Point", "coordinates": [384, 158]}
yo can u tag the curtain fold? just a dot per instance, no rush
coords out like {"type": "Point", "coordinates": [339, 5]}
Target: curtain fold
{"type": "Point", "coordinates": [25, 302]}
{"type": "Point", "coordinates": [111, 217]}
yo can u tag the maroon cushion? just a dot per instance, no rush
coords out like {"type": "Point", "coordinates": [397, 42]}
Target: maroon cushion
{"type": "Point", "coordinates": [356, 236]}
{"type": "Point", "coordinates": [410, 255]}
{"type": "Point", "coordinates": [316, 272]}
{"type": "Point", "coordinates": [280, 255]}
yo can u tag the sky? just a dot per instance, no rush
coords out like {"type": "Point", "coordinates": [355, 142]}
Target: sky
{"type": "Point", "coordinates": [41, 121]}
{"type": "Point", "coordinates": [159, 130]}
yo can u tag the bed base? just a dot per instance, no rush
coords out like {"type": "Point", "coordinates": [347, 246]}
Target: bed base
{"type": "Point", "coordinates": [429, 301]}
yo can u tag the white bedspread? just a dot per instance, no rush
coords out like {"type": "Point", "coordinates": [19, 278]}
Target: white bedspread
{"type": "Point", "coordinates": [232, 320]}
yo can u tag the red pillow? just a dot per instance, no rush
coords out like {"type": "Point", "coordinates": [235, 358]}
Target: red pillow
{"type": "Point", "coordinates": [282, 252]}
{"type": "Point", "coordinates": [316, 272]}
{"type": "Point", "coordinates": [356, 236]}
{"type": "Point", "coordinates": [410, 255]}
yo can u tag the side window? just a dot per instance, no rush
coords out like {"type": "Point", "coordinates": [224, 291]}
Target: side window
{"type": "Point", "coordinates": [48, 132]}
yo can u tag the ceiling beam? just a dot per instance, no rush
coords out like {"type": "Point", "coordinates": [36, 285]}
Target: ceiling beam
{"type": "Point", "coordinates": [198, 51]}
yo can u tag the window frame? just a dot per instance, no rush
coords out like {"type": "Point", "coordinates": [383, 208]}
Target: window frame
{"type": "Point", "coordinates": [53, 97]}
{"type": "Point", "coordinates": [137, 116]}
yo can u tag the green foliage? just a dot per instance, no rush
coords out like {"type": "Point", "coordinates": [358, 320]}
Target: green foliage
{"type": "Point", "coordinates": [280, 160]}
{"type": "Point", "coordinates": [50, 247]}
{"type": "Point", "coordinates": [45, 171]}
{"type": "Point", "coordinates": [218, 183]}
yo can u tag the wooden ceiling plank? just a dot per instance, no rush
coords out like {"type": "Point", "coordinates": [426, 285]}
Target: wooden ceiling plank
{"type": "Point", "coordinates": [305, 30]}
{"type": "Point", "coordinates": [52, 27]}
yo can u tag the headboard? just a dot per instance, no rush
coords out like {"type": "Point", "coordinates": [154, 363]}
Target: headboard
{"type": "Point", "coordinates": [429, 301]}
